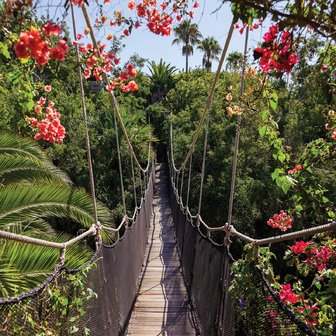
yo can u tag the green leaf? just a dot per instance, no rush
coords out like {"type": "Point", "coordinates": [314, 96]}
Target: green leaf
{"type": "Point", "coordinates": [4, 50]}
{"type": "Point", "coordinates": [318, 285]}
{"type": "Point", "coordinates": [64, 301]}
{"type": "Point", "coordinates": [29, 104]}
{"type": "Point", "coordinates": [262, 130]}
{"type": "Point", "coordinates": [273, 101]}
{"type": "Point", "coordinates": [285, 185]}
{"type": "Point", "coordinates": [298, 207]}
{"type": "Point", "coordinates": [73, 329]}
{"type": "Point", "coordinates": [265, 115]}
{"type": "Point", "coordinates": [314, 150]}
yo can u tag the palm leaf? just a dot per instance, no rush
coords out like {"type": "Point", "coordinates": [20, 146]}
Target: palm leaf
{"type": "Point", "coordinates": [36, 225]}
{"type": "Point", "coordinates": [16, 147]}
{"type": "Point", "coordinates": [24, 202]}
{"type": "Point", "coordinates": [16, 167]}
{"type": "Point", "coordinates": [24, 266]}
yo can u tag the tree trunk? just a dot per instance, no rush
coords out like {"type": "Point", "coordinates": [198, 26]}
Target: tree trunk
{"type": "Point", "coordinates": [187, 70]}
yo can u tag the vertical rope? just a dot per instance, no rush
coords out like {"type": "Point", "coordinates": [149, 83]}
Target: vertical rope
{"type": "Point", "coordinates": [134, 186]}
{"type": "Point", "coordinates": [236, 147]}
{"type": "Point", "coordinates": [141, 190]}
{"type": "Point", "coordinates": [119, 164]}
{"type": "Point", "coordinates": [224, 297]}
{"type": "Point", "coordinates": [203, 164]}
{"type": "Point", "coordinates": [116, 113]}
{"type": "Point", "coordinates": [189, 179]}
{"type": "Point", "coordinates": [113, 99]}
{"type": "Point", "coordinates": [87, 137]}
{"type": "Point", "coordinates": [181, 188]}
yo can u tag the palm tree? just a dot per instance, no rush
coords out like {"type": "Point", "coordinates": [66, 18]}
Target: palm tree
{"type": "Point", "coordinates": [188, 34]}
{"type": "Point", "coordinates": [161, 79]}
{"type": "Point", "coordinates": [34, 196]}
{"type": "Point", "coordinates": [211, 49]}
{"type": "Point", "coordinates": [234, 61]}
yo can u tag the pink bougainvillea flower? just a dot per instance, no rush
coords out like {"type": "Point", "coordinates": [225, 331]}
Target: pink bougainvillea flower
{"type": "Point", "coordinates": [280, 221]}
{"type": "Point", "coordinates": [47, 88]}
{"type": "Point", "coordinates": [299, 247]}
{"type": "Point", "coordinates": [287, 296]}
{"type": "Point", "coordinates": [296, 169]}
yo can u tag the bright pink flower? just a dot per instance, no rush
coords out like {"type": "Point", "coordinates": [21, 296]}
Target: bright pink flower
{"type": "Point", "coordinates": [296, 169]}
{"type": "Point", "coordinates": [299, 247]}
{"type": "Point", "coordinates": [41, 101]}
{"type": "Point", "coordinates": [280, 221]}
{"type": "Point", "coordinates": [287, 296]}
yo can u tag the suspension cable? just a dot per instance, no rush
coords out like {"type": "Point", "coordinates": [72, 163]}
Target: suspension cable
{"type": "Point", "coordinates": [112, 96]}
{"type": "Point", "coordinates": [211, 94]}
{"type": "Point", "coordinates": [119, 164]}
{"type": "Point", "coordinates": [134, 186]}
{"type": "Point", "coordinates": [181, 187]}
{"type": "Point", "coordinates": [203, 164]}
{"type": "Point", "coordinates": [189, 179]}
{"type": "Point", "coordinates": [87, 137]}
{"type": "Point", "coordinates": [236, 147]}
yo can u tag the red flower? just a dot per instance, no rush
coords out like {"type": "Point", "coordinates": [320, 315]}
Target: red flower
{"type": "Point", "coordinates": [37, 109]}
{"type": "Point", "coordinates": [90, 62]}
{"type": "Point", "coordinates": [131, 71]}
{"type": "Point", "coordinates": [41, 101]}
{"type": "Point", "coordinates": [79, 3]}
{"type": "Point", "coordinates": [20, 50]}
{"type": "Point", "coordinates": [280, 221]}
{"type": "Point", "coordinates": [50, 29]}
{"type": "Point", "coordinates": [131, 4]}
{"type": "Point", "coordinates": [299, 247]}
{"type": "Point", "coordinates": [296, 169]}
{"type": "Point", "coordinates": [287, 296]}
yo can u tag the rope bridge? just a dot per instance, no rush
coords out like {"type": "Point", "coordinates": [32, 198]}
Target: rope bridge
{"type": "Point", "coordinates": [116, 269]}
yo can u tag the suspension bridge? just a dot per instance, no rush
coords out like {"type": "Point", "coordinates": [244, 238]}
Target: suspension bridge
{"type": "Point", "coordinates": [162, 273]}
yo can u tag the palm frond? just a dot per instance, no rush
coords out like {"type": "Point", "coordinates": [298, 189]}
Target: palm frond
{"type": "Point", "coordinates": [17, 147]}
{"type": "Point", "coordinates": [15, 167]}
{"type": "Point", "coordinates": [24, 202]}
{"type": "Point", "coordinates": [25, 266]}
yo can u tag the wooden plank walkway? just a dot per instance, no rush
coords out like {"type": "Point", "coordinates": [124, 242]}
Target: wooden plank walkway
{"type": "Point", "coordinates": [162, 307]}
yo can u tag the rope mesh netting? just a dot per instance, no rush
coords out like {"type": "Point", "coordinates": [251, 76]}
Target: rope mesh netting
{"type": "Point", "coordinates": [114, 278]}
{"type": "Point", "coordinates": [216, 312]}
{"type": "Point", "coordinates": [202, 263]}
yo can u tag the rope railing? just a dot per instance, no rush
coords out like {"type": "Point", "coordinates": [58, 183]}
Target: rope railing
{"type": "Point", "coordinates": [40, 242]}
{"type": "Point", "coordinates": [258, 242]}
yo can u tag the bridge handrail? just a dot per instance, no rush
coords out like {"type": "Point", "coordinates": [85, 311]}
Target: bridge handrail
{"type": "Point", "coordinates": [230, 230]}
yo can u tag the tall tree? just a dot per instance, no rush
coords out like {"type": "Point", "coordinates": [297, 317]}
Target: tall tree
{"type": "Point", "coordinates": [211, 49]}
{"type": "Point", "coordinates": [161, 79]}
{"type": "Point", "coordinates": [188, 34]}
{"type": "Point", "coordinates": [234, 61]}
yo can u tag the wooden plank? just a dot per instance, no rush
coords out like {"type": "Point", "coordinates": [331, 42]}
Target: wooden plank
{"type": "Point", "coordinates": [162, 306]}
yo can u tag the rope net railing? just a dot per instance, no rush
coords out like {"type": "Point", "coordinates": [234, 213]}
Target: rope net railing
{"type": "Point", "coordinates": [207, 273]}
{"type": "Point", "coordinates": [108, 290]}
{"type": "Point", "coordinates": [205, 261]}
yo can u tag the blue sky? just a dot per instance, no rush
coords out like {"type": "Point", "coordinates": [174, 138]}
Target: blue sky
{"type": "Point", "coordinates": [153, 47]}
